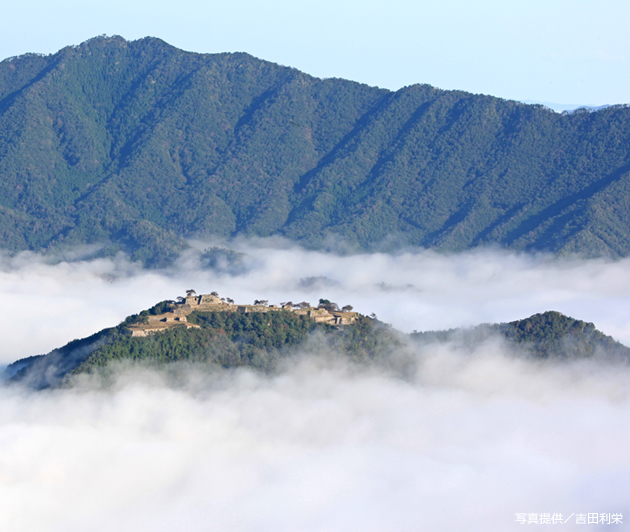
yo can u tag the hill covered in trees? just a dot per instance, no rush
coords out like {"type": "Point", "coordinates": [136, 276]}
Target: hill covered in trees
{"type": "Point", "coordinates": [138, 146]}
{"type": "Point", "coordinates": [263, 340]}
{"type": "Point", "coordinates": [224, 339]}
{"type": "Point", "coordinates": [546, 335]}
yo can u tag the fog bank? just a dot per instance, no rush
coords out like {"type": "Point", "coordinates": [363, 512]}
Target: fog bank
{"type": "Point", "coordinates": [467, 444]}
{"type": "Point", "coordinates": [47, 304]}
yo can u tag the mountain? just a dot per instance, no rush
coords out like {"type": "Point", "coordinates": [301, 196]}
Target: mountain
{"type": "Point", "coordinates": [137, 146]}
{"type": "Point", "coordinates": [205, 329]}
{"type": "Point", "coordinates": [546, 335]}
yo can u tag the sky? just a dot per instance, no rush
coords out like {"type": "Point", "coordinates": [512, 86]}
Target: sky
{"type": "Point", "coordinates": [572, 52]}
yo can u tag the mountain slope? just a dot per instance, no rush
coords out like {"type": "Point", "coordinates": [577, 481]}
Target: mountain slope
{"type": "Point", "coordinates": [546, 335]}
{"type": "Point", "coordinates": [139, 145]}
{"type": "Point", "coordinates": [262, 340]}
{"type": "Point", "coordinates": [226, 339]}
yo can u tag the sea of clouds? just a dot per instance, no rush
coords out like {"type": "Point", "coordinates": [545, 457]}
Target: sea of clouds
{"type": "Point", "coordinates": [466, 443]}
{"type": "Point", "coordinates": [47, 302]}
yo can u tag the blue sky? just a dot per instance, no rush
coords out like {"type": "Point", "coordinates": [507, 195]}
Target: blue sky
{"type": "Point", "coordinates": [573, 52]}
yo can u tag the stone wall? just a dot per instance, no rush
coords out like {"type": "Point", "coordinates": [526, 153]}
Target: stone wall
{"type": "Point", "coordinates": [206, 302]}
{"type": "Point", "coordinates": [208, 299]}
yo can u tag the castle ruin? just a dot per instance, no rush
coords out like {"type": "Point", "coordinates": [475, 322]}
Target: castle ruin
{"type": "Point", "coordinates": [176, 315]}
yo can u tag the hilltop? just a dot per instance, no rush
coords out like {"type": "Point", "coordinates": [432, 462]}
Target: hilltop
{"type": "Point", "coordinates": [137, 146]}
{"type": "Point", "coordinates": [208, 329]}
{"type": "Point", "coordinates": [173, 314]}
{"type": "Point", "coordinates": [214, 331]}
{"type": "Point", "coordinates": [548, 335]}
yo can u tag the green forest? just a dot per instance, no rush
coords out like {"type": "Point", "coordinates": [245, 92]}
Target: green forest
{"type": "Point", "coordinates": [223, 339]}
{"type": "Point", "coordinates": [138, 146]}
{"type": "Point", "coordinates": [263, 341]}
{"type": "Point", "coordinates": [549, 335]}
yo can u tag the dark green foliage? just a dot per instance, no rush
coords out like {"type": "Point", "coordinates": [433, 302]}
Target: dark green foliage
{"type": "Point", "coordinates": [369, 340]}
{"type": "Point", "coordinates": [52, 369]}
{"type": "Point", "coordinates": [262, 341]}
{"type": "Point", "coordinates": [223, 339]}
{"type": "Point", "coordinates": [177, 344]}
{"type": "Point", "coordinates": [256, 340]}
{"type": "Point", "coordinates": [138, 145]}
{"type": "Point", "coordinates": [15, 367]}
{"type": "Point", "coordinates": [328, 305]}
{"type": "Point", "coordinates": [161, 308]}
{"type": "Point", "coordinates": [553, 334]}
{"type": "Point", "coordinates": [546, 335]}
{"type": "Point", "coordinates": [263, 330]}
{"type": "Point", "coordinates": [227, 339]}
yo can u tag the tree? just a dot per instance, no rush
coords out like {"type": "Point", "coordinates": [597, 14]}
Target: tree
{"type": "Point", "coordinates": [229, 300]}
{"type": "Point", "coordinates": [180, 299]}
{"type": "Point", "coordinates": [347, 308]}
{"type": "Point", "coordinates": [330, 306]}
{"type": "Point", "coordinates": [263, 302]}
{"type": "Point", "coordinates": [215, 294]}
{"type": "Point", "coordinates": [302, 305]}
{"type": "Point", "coordinates": [191, 293]}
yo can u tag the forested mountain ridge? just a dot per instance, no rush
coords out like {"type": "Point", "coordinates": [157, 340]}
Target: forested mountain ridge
{"type": "Point", "coordinates": [548, 335]}
{"type": "Point", "coordinates": [138, 145]}
{"type": "Point", "coordinates": [223, 338]}
{"type": "Point", "coordinates": [262, 340]}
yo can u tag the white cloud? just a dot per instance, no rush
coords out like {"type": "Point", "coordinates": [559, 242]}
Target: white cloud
{"type": "Point", "coordinates": [467, 445]}
{"type": "Point", "coordinates": [46, 305]}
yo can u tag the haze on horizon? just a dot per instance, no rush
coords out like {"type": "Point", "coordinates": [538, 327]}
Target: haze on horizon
{"type": "Point", "coordinates": [564, 52]}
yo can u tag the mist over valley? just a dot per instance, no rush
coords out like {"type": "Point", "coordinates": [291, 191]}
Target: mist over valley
{"type": "Point", "coordinates": [483, 243]}
{"type": "Point", "coordinates": [466, 440]}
